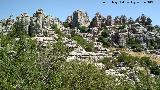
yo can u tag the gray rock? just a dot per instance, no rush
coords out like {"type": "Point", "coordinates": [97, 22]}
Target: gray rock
{"type": "Point", "coordinates": [24, 19]}
{"type": "Point", "coordinates": [78, 19]}
{"type": "Point", "coordinates": [109, 20]}
{"type": "Point", "coordinates": [98, 20]}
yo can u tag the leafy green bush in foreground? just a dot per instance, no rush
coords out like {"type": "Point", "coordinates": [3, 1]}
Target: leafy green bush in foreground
{"type": "Point", "coordinates": [25, 65]}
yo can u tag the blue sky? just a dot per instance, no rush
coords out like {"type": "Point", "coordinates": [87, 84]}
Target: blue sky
{"type": "Point", "coordinates": [64, 8]}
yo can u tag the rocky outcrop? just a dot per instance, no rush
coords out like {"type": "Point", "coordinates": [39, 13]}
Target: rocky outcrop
{"type": "Point", "coordinates": [123, 19]}
{"type": "Point", "coordinates": [41, 25]}
{"type": "Point", "coordinates": [120, 20]}
{"type": "Point", "coordinates": [6, 25]}
{"type": "Point", "coordinates": [78, 19]}
{"type": "Point", "coordinates": [69, 19]}
{"type": "Point", "coordinates": [38, 24]}
{"type": "Point", "coordinates": [144, 20]}
{"type": "Point", "coordinates": [24, 19]}
{"type": "Point", "coordinates": [98, 21]}
{"type": "Point", "coordinates": [130, 21]}
{"type": "Point", "coordinates": [101, 21]}
{"type": "Point", "coordinates": [141, 19]}
{"type": "Point", "coordinates": [116, 20]}
{"type": "Point", "coordinates": [109, 21]}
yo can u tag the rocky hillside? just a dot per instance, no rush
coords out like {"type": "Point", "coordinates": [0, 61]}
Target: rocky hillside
{"type": "Point", "coordinates": [41, 52]}
{"type": "Point", "coordinates": [119, 31]}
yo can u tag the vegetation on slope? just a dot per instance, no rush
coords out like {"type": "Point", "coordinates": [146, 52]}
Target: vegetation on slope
{"type": "Point", "coordinates": [25, 65]}
{"type": "Point", "coordinates": [88, 46]}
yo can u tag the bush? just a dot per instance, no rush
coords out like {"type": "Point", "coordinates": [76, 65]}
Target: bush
{"type": "Point", "coordinates": [87, 46]}
{"type": "Point", "coordinates": [83, 29]}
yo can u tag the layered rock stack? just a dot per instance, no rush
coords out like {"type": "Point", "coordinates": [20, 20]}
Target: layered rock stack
{"type": "Point", "coordinates": [144, 20]}
{"type": "Point", "coordinates": [78, 19]}
{"type": "Point", "coordinates": [24, 19]}
{"type": "Point", "coordinates": [36, 24]}
{"type": "Point", "coordinates": [101, 21]}
{"type": "Point", "coordinates": [109, 21]}
{"type": "Point", "coordinates": [98, 20]}
{"type": "Point", "coordinates": [123, 19]}
{"type": "Point", "coordinates": [120, 20]}
{"type": "Point", "coordinates": [116, 30]}
{"type": "Point", "coordinates": [6, 25]}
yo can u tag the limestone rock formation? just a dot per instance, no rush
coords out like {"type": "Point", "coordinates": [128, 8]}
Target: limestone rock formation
{"type": "Point", "coordinates": [1, 26]}
{"type": "Point", "coordinates": [78, 19]}
{"type": "Point", "coordinates": [40, 23]}
{"type": "Point", "coordinates": [56, 21]}
{"type": "Point", "coordinates": [69, 19]}
{"type": "Point", "coordinates": [41, 26]}
{"type": "Point", "coordinates": [141, 19]}
{"type": "Point", "coordinates": [109, 20]}
{"type": "Point", "coordinates": [144, 20]}
{"type": "Point", "coordinates": [98, 20]}
{"type": "Point", "coordinates": [123, 19]}
{"type": "Point", "coordinates": [120, 20]}
{"type": "Point", "coordinates": [130, 21]}
{"type": "Point", "coordinates": [24, 19]}
{"type": "Point", "coordinates": [101, 21]}
{"type": "Point", "coordinates": [6, 25]}
{"type": "Point", "coordinates": [117, 20]}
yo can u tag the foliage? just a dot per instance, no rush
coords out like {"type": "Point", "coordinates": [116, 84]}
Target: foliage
{"type": "Point", "coordinates": [18, 65]}
{"type": "Point", "coordinates": [152, 44]}
{"type": "Point", "coordinates": [122, 27]}
{"type": "Point", "coordinates": [155, 70]}
{"type": "Point", "coordinates": [25, 65]}
{"type": "Point", "coordinates": [105, 38]}
{"type": "Point", "coordinates": [130, 61]}
{"type": "Point", "coordinates": [73, 33]}
{"type": "Point", "coordinates": [86, 45]}
{"type": "Point", "coordinates": [134, 44]}
{"type": "Point", "coordinates": [67, 24]}
{"type": "Point", "coordinates": [142, 80]}
{"type": "Point", "coordinates": [45, 33]}
{"type": "Point", "coordinates": [57, 31]}
{"type": "Point", "coordinates": [149, 21]}
{"type": "Point", "coordinates": [83, 29]}
{"type": "Point", "coordinates": [107, 62]}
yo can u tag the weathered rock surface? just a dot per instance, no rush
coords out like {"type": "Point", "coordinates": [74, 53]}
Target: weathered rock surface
{"type": "Point", "coordinates": [98, 20]}
{"type": "Point", "coordinates": [78, 19]}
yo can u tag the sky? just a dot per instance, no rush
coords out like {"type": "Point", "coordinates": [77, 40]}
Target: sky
{"type": "Point", "coordinates": [64, 8]}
